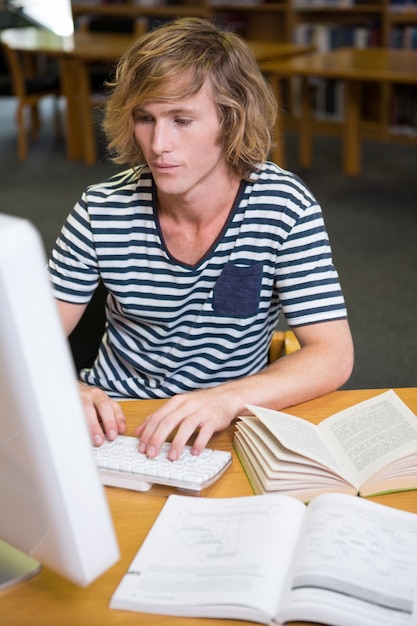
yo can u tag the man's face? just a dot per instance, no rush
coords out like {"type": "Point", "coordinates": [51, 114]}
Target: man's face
{"type": "Point", "coordinates": [180, 142]}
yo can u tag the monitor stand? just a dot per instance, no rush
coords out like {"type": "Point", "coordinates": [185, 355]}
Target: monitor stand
{"type": "Point", "coordinates": [15, 566]}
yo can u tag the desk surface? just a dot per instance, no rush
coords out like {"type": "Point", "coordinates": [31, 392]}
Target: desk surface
{"type": "Point", "coordinates": [53, 601]}
{"type": "Point", "coordinates": [370, 64]}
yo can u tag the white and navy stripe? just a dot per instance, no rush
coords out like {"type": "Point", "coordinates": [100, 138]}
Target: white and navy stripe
{"type": "Point", "coordinates": [173, 327]}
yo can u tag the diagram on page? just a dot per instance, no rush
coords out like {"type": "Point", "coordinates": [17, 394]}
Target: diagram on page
{"type": "Point", "coordinates": [217, 535]}
{"type": "Point", "coordinates": [359, 556]}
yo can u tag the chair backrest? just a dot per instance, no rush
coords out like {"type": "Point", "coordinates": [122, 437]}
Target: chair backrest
{"type": "Point", "coordinates": [283, 342]}
{"type": "Point", "coordinates": [29, 73]}
{"type": "Point", "coordinates": [31, 79]}
{"type": "Point", "coordinates": [16, 69]}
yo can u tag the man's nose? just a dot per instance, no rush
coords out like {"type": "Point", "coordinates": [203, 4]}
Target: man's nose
{"type": "Point", "coordinates": [161, 141]}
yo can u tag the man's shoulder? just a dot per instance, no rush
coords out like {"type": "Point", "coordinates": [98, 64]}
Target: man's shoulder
{"type": "Point", "coordinates": [271, 173]}
{"type": "Point", "coordinates": [275, 186]}
{"type": "Point", "coordinates": [126, 182]}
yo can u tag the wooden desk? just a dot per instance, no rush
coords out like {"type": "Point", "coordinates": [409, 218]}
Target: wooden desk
{"type": "Point", "coordinates": [75, 53]}
{"type": "Point", "coordinates": [355, 67]}
{"type": "Point", "coordinates": [51, 600]}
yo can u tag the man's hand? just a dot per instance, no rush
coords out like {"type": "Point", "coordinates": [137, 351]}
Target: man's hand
{"type": "Point", "coordinates": [206, 411]}
{"type": "Point", "coordinates": [323, 363]}
{"type": "Point", "coordinates": [105, 418]}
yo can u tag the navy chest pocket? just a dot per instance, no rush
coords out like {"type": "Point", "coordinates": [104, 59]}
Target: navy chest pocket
{"type": "Point", "coordinates": [237, 290]}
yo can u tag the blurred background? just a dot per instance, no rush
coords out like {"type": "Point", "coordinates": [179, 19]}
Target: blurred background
{"type": "Point", "coordinates": [371, 218]}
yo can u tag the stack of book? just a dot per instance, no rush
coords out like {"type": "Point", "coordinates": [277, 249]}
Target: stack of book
{"type": "Point", "coordinates": [367, 449]}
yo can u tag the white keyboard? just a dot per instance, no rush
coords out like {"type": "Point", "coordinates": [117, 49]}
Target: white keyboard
{"type": "Point", "coordinates": [121, 465]}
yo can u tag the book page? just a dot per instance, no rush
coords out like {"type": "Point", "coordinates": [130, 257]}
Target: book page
{"type": "Point", "coordinates": [299, 436]}
{"type": "Point", "coordinates": [212, 557]}
{"type": "Point", "coordinates": [264, 455]}
{"type": "Point", "coordinates": [372, 434]}
{"type": "Point", "coordinates": [356, 561]}
{"type": "Point", "coordinates": [255, 430]}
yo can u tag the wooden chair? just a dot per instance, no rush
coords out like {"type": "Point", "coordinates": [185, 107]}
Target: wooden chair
{"type": "Point", "coordinates": [282, 343]}
{"type": "Point", "coordinates": [29, 86]}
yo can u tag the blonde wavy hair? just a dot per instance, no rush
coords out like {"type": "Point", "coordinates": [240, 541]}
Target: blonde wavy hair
{"type": "Point", "coordinates": [172, 63]}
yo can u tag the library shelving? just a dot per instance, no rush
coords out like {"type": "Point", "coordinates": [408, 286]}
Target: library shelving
{"type": "Point", "coordinates": [278, 19]}
{"type": "Point", "coordinates": [389, 111]}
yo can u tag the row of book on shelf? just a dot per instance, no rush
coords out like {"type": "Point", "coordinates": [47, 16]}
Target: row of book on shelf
{"type": "Point", "coordinates": [393, 5]}
{"type": "Point", "coordinates": [328, 95]}
{"type": "Point", "coordinates": [328, 104]}
{"type": "Point", "coordinates": [403, 5]}
{"type": "Point", "coordinates": [327, 36]}
{"type": "Point", "coordinates": [403, 37]}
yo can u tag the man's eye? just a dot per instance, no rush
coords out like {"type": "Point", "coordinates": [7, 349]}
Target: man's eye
{"type": "Point", "coordinates": [183, 121]}
{"type": "Point", "coordinates": [142, 119]}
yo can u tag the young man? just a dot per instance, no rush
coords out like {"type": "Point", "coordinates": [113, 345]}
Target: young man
{"type": "Point", "coordinates": [200, 244]}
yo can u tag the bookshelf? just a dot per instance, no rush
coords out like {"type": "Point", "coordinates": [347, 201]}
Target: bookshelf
{"type": "Point", "coordinates": [389, 112]}
{"type": "Point", "coordinates": [278, 19]}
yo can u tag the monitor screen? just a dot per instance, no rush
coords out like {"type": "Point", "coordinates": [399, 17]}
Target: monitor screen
{"type": "Point", "coordinates": [53, 15]}
{"type": "Point", "coordinates": [53, 507]}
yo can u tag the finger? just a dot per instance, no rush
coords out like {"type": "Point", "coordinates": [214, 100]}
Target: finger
{"type": "Point", "coordinates": [110, 415]}
{"type": "Point", "coordinates": [157, 431]}
{"type": "Point", "coordinates": [185, 431]}
{"type": "Point", "coordinates": [204, 435]}
{"type": "Point", "coordinates": [211, 422]}
{"type": "Point", "coordinates": [120, 418]}
{"type": "Point", "coordinates": [96, 432]}
{"type": "Point", "coordinates": [153, 419]}
{"type": "Point", "coordinates": [104, 416]}
{"type": "Point", "coordinates": [147, 429]}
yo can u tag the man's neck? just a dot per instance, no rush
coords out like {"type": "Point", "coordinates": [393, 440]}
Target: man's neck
{"type": "Point", "coordinates": [199, 206]}
{"type": "Point", "coordinates": [190, 228]}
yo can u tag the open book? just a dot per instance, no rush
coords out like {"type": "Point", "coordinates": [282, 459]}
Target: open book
{"type": "Point", "coordinates": [341, 560]}
{"type": "Point", "coordinates": [368, 448]}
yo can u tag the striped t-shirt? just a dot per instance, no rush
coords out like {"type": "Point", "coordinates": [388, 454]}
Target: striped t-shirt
{"type": "Point", "coordinates": [172, 327]}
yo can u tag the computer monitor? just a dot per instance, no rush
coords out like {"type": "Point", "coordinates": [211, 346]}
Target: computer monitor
{"type": "Point", "coordinates": [53, 507]}
{"type": "Point", "coordinates": [53, 15]}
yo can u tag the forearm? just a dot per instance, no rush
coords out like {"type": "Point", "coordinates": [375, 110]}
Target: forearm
{"type": "Point", "coordinates": [308, 373]}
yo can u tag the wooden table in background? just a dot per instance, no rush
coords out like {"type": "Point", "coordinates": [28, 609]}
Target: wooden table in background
{"type": "Point", "coordinates": [50, 600]}
{"type": "Point", "coordinates": [354, 66]}
{"type": "Point", "coordinates": [74, 54]}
